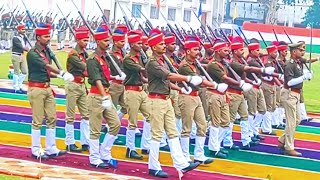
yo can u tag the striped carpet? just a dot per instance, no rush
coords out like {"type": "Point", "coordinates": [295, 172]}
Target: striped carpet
{"type": "Point", "coordinates": [262, 162]}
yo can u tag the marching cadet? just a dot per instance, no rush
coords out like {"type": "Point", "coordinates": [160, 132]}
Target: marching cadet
{"type": "Point", "coordinates": [290, 97]}
{"type": "Point", "coordinates": [19, 47]}
{"type": "Point", "coordinates": [170, 41]}
{"type": "Point", "coordinates": [255, 98]}
{"type": "Point", "coordinates": [76, 92]}
{"type": "Point", "coordinates": [162, 113]}
{"type": "Point", "coordinates": [269, 89]}
{"type": "Point", "coordinates": [191, 105]}
{"type": "Point", "coordinates": [41, 95]}
{"type": "Point", "coordinates": [304, 115]}
{"type": "Point", "coordinates": [145, 45]}
{"type": "Point", "coordinates": [116, 86]}
{"type": "Point", "coordinates": [237, 103]}
{"type": "Point", "coordinates": [135, 97]}
{"type": "Point", "coordinates": [100, 103]}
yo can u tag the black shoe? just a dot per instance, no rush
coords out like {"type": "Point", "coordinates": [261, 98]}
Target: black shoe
{"type": "Point", "coordinates": [233, 147]}
{"type": "Point", "coordinates": [254, 139]}
{"type": "Point", "coordinates": [158, 173]}
{"type": "Point", "coordinates": [111, 163]}
{"type": "Point", "coordinates": [85, 147]}
{"type": "Point", "coordinates": [271, 133]}
{"type": "Point", "coordinates": [60, 153]}
{"type": "Point", "coordinates": [246, 147]}
{"type": "Point", "coordinates": [191, 167]}
{"type": "Point", "coordinates": [144, 151]}
{"type": "Point", "coordinates": [207, 161]}
{"type": "Point", "coordinates": [100, 166]}
{"type": "Point", "coordinates": [218, 154]}
{"type": "Point", "coordinates": [193, 141]}
{"type": "Point", "coordinates": [165, 148]}
{"type": "Point", "coordinates": [237, 121]}
{"type": "Point", "coordinates": [309, 119]}
{"type": "Point", "coordinates": [104, 129]}
{"type": "Point", "coordinates": [42, 157]}
{"type": "Point", "coordinates": [224, 151]}
{"type": "Point", "coordinates": [18, 91]}
{"type": "Point", "coordinates": [73, 148]}
{"type": "Point", "coordinates": [119, 142]}
{"type": "Point", "coordinates": [133, 154]}
{"type": "Point", "coordinates": [254, 143]}
{"type": "Point", "coordinates": [259, 137]}
{"type": "Point", "coordinates": [138, 134]}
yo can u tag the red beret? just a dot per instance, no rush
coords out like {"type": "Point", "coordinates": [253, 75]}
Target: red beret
{"type": "Point", "coordinates": [101, 35]}
{"type": "Point", "coordinates": [82, 28]}
{"type": "Point", "coordinates": [220, 45]}
{"type": "Point", "coordinates": [144, 39]}
{"type": "Point", "coordinates": [282, 47]}
{"type": "Point", "coordinates": [207, 45]}
{"type": "Point", "coordinates": [170, 38]}
{"type": "Point", "coordinates": [254, 46]}
{"type": "Point", "coordinates": [272, 48]}
{"type": "Point", "coordinates": [191, 42]}
{"type": "Point", "coordinates": [155, 37]}
{"type": "Point", "coordinates": [237, 45]}
{"type": "Point", "coordinates": [134, 36]}
{"type": "Point", "coordinates": [123, 28]}
{"type": "Point", "coordinates": [21, 26]}
{"type": "Point", "coordinates": [42, 31]}
{"type": "Point", "coordinates": [82, 35]}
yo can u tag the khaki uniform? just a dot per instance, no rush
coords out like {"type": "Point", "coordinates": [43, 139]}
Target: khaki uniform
{"type": "Point", "coordinates": [135, 97]}
{"type": "Point", "coordinates": [76, 95]}
{"type": "Point", "coordinates": [19, 61]}
{"type": "Point", "coordinates": [117, 87]}
{"type": "Point", "coordinates": [41, 98]}
{"type": "Point", "coordinates": [98, 69]}
{"type": "Point", "coordinates": [218, 107]}
{"type": "Point", "coordinates": [162, 115]}
{"type": "Point", "coordinates": [290, 99]}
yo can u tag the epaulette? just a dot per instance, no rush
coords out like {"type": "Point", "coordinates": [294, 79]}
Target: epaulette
{"type": "Point", "coordinates": [73, 52]}
{"type": "Point", "coordinates": [91, 56]}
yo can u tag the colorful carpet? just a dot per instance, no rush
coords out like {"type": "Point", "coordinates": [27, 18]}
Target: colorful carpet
{"type": "Point", "coordinates": [265, 161]}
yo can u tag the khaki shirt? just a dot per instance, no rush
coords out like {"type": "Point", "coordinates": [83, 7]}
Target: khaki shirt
{"type": "Point", "coordinates": [76, 62]}
{"type": "Point", "coordinates": [216, 70]}
{"type": "Point", "coordinates": [254, 63]}
{"type": "Point", "coordinates": [293, 69]}
{"type": "Point", "coordinates": [95, 69]}
{"type": "Point", "coordinates": [239, 69]}
{"type": "Point", "coordinates": [132, 68]}
{"type": "Point", "coordinates": [37, 64]}
{"type": "Point", "coordinates": [157, 73]}
{"type": "Point", "coordinates": [188, 68]}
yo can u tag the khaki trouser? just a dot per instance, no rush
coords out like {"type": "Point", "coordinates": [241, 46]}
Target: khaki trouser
{"type": "Point", "coordinates": [218, 109]}
{"type": "Point", "coordinates": [202, 94]}
{"type": "Point", "coordinates": [162, 119]}
{"type": "Point", "coordinates": [301, 96]}
{"type": "Point", "coordinates": [278, 89]}
{"type": "Point", "coordinates": [43, 105]}
{"type": "Point", "coordinates": [76, 95]}
{"type": "Point", "coordinates": [97, 112]}
{"type": "Point", "coordinates": [117, 96]}
{"type": "Point", "coordinates": [191, 109]}
{"type": "Point", "coordinates": [19, 64]}
{"type": "Point", "coordinates": [136, 100]}
{"type": "Point", "coordinates": [290, 101]}
{"type": "Point", "coordinates": [269, 93]}
{"type": "Point", "coordinates": [174, 96]}
{"type": "Point", "coordinates": [238, 105]}
{"type": "Point", "coordinates": [255, 100]}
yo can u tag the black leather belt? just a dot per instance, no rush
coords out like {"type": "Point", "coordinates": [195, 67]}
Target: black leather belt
{"type": "Point", "coordinates": [17, 54]}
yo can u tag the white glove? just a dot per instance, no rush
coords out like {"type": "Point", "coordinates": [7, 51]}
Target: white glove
{"type": "Point", "coordinates": [222, 87]}
{"type": "Point", "coordinates": [268, 70]}
{"type": "Point", "coordinates": [66, 76]}
{"type": "Point", "coordinates": [281, 77]}
{"type": "Point", "coordinates": [106, 102]}
{"type": "Point", "coordinates": [307, 76]}
{"type": "Point", "coordinates": [245, 86]}
{"type": "Point", "coordinates": [195, 80]}
{"type": "Point", "coordinates": [267, 78]}
{"type": "Point", "coordinates": [257, 82]}
{"type": "Point", "coordinates": [122, 77]}
{"type": "Point", "coordinates": [186, 91]}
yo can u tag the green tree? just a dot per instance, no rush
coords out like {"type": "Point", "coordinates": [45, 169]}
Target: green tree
{"type": "Point", "coordinates": [312, 15]}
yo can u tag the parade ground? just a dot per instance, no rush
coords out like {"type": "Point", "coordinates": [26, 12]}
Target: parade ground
{"type": "Point", "coordinates": [265, 161]}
